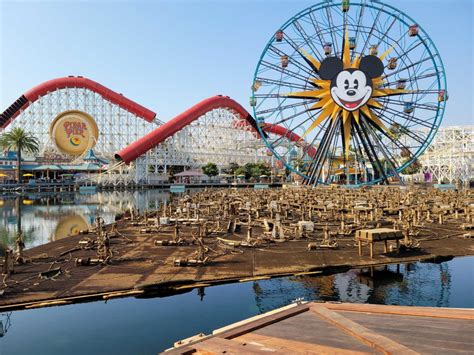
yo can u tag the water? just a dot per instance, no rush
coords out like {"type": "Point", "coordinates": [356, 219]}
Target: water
{"type": "Point", "coordinates": [147, 326]}
{"type": "Point", "coordinates": [45, 218]}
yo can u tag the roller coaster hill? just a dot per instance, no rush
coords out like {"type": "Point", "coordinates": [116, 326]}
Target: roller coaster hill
{"type": "Point", "coordinates": [88, 130]}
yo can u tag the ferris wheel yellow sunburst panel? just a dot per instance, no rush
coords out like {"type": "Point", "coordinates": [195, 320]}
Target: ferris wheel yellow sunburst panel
{"type": "Point", "coordinates": [346, 89]}
{"type": "Point", "coordinates": [74, 132]}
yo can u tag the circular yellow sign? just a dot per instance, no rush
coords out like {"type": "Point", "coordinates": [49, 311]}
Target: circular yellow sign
{"type": "Point", "coordinates": [74, 132]}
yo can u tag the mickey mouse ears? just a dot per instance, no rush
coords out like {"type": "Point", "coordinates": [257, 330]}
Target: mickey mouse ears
{"type": "Point", "coordinates": [370, 64]}
{"type": "Point", "coordinates": [330, 67]}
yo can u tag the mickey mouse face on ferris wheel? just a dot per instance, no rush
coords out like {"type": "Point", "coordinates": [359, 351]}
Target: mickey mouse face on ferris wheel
{"type": "Point", "coordinates": [351, 88]}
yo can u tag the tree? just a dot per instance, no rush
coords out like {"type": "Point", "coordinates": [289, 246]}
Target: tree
{"type": "Point", "coordinates": [19, 140]}
{"type": "Point", "coordinates": [299, 165]}
{"type": "Point", "coordinates": [241, 171]}
{"type": "Point", "coordinates": [413, 168]}
{"type": "Point", "coordinates": [232, 168]}
{"type": "Point", "coordinates": [210, 169]}
{"type": "Point", "coordinates": [254, 170]}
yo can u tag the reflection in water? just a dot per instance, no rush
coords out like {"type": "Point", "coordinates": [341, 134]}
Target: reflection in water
{"type": "Point", "coordinates": [45, 218]}
{"type": "Point", "coordinates": [69, 225]}
{"type": "Point", "coordinates": [422, 284]}
{"type": "Point", "coordinates": [5, 323]}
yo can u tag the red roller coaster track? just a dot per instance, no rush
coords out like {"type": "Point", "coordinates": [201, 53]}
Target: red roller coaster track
{"type": "Point", "coordinates": [73, 82]}
{"type": "Point", "coordinates": [158, 135]}
{"type": "Point", "coordinates": [149, 141]}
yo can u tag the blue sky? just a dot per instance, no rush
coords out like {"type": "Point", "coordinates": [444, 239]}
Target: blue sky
{"type": "Point", "coordinates": [169, 55]}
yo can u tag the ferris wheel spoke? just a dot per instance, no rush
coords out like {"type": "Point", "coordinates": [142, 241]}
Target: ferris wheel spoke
{"type": "Point", "coordinates": [406, 52]}
{"type": "Point", "coordinates": [312, 166]}
{"type": "Point", "coordinates": [370, 151]}
{"type": "Point", "coordinates": [317, 29]}
{"type": "Point", "coordinates": [411, 92]}
{"type": "Point", "coordinates": [365, 148]}
{"type": "Point", "coordinates": [381, 39]}
{"type": "Point", "coordinates": [359, 22]}
{"type": "Point", "coordinates": [331, 27]}
{"type": "Point", "coordinates": [371, 31]}
{"type": "Point", "coordinates": [398, 143]}
{"type": "Point", "coordinates": [387, 155]}
{"type": "Point", "coordinates": [407, 67]}
{"type": "Point", "coordinates": [332, 156]}
{"type": "Point", "coordinates": [414, 105]}
{"type": "Point", "coordinates": [271, 96]}
{"type": "Point", "coordinates": [300, 66]}
{"type": "Point", "coordinates": [409, 118]}
{"type": "Point", "coordinates": [285, 119]}
{"type": "Point", "coordinates": [302, 56]}
{"type": "Point", "coordinates": [282, 83]}
{"type": "Point", "coordinates": [284, 71]}
{"type": "Point", "coordinates": [305, 36]}
{"type": "Point", "coordinates": [323, 128]}
{"type": "Point", "coordinates": [361, 160]}
{"type": "Point", "coordinates": [323, 151]}
{"type": "Point", "coordinates": [411, 79]}
{"type": "Point", "coordinates": [282, 108]}
{"type": "Point", "coordinates": [406, 131]}
{"type": "Point", "coordinates": [286, 135]}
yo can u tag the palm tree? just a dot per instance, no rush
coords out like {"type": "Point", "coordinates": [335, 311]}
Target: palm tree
{"type": "Point", "coordinates": [18, 140]}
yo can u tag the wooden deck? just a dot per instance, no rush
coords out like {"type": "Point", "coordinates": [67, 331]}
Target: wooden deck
{"type": "Point", "coordinates": [341, 328]}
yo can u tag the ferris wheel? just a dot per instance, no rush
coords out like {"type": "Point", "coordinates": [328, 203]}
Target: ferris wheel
{"type": "Point", "coordinates": [360, 83]}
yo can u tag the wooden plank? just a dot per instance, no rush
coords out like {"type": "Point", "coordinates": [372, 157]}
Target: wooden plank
{"type": "Point", "coordinates": [293, 346]}
{"type": "Point", "coordinates": [447, 335]}
{"type": "Point", "coordinates": [434, 312]}
{"type": "Point", "coordinates": [307, 328]}
{"type": "Point", "coordinates": [264, 321]}
{"type": "Point", "coordinates": [218, 345]}
{"type": "Point", "coordinates": [256, 318]}
{"type": "Point", "coordinates": [377, 341]}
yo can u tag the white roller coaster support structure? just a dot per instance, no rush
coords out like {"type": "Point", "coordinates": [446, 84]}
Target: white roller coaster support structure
{"type": "Point", "coordinates": [117, 126]}
{"type": "Point", "coordinates": [450, 157]}
{"type": "Point", "coordinates": [220, 136]}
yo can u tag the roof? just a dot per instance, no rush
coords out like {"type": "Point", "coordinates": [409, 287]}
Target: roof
{"type": "Point", "coordinates": [55, 167]}
{"type": "Point", "coordinates": [90, 156]}
{"type": "Point", "coordinates": [190, 173]}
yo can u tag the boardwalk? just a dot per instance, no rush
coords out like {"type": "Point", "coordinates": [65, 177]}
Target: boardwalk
{"type": "Point", "coordinates": [341, 328]}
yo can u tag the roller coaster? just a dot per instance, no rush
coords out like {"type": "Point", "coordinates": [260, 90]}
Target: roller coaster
{"type": "Point", "coordinates": [136, 143]}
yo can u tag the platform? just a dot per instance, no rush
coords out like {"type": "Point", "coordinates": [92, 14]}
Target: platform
{"type": "Point", "coordinates": [341, 328]}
